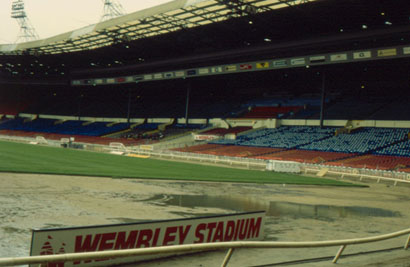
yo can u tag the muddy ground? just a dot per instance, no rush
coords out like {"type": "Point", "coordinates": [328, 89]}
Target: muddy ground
{"type": "Point", "coordinates": [294, 213]}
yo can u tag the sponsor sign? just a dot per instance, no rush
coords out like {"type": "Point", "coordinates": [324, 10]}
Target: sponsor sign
{"type": "Point", "coordinates": [180, 73]}
{"type": "Point", "coordinates": [76, 82]}
{"type": "Point", "coordinates": [233, 227]}
{"type": "Point", "coordinates": [280, 63]}
{"type": "Point", "coordinates": [338, 57]}
{"type": "Point", "coordinates": [406, 50]}
{"type": "Point", "coordinates": [216, 69]}
{"type": "Point", "coordinates": [297, 61]}
{"type": "Point", "coordinates": [120, 80]}
{"type": "Point", "coordinates": [110, 80]}
{"type": "Point", "coordinates": [230, 68]}
{"type": "Point", "coordinates": [129, 79]}
{"type": "Point", "coordinates": [200, 137]}
{"type": "Point", "coordinates": [203, 71]}
{"type": "Point", "coordinates": [363, 54]}
{"type": "Point", "coordinates": [138, 78]}
{"type": "Point", "coordinates": [317, 59]}
{"type": "Point", "coordinates": [191, 72]}
{"type": "Point", "coordinates": [148, 77]}
{"type": "Point", "coordinates": [245, 67]}
{"type": "Point", "coordinates": [387, 52]}
{"type": "Point", "coordinates": [158, 76]}
{"type": "Point", "coordinates": [168, 74]}
{"type": "Point", "coordinates": [262, 65]}
{"type": "Point", "coordinates": [98, 81]}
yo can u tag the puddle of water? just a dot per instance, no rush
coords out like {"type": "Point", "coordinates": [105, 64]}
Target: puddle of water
{"type": "Point", "coordinates": [326, 211]}
{"type": "Point", "coordinates": [274, 209]}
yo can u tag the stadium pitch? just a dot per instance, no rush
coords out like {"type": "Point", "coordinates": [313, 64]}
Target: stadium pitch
{"type": "Point", "coordinates": [25, 158]}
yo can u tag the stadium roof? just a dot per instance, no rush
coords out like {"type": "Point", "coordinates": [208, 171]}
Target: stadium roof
{"type": "Point", "coordinates": [166, 18]}
{"type": "Point", "coordinates": [186, 34]}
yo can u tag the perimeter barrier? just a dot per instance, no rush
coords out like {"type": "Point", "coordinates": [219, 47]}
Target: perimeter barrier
{"type": "Point", "coordinates": [231, 246]}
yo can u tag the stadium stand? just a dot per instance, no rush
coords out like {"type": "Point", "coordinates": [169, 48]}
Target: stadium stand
{"type": "Point", "coordinates": [67, 127]}
{"type": "Point", "coordinates": [363, 140]}
{"type": "Point", "coordinates": [378, 148]}
{"type": "Point", "coordinates": [401, 149]}
{"type": "Point", "coordinates": [306, 156]}
{"type": "Point", "coordinates": [229, 150]}
{"type": "Point", "coordinates": [374, 162]}
{"type": "Point", "coordinates": [282, 137]}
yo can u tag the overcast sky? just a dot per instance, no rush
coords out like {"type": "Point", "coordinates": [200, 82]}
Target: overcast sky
{"type": "Point", "coordinates": [52, 17]}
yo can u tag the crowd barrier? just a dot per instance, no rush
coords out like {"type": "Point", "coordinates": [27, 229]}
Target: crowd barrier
{"type": "Point", "coordinates": [203, 247]}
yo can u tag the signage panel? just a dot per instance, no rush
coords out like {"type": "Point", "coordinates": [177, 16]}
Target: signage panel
{"type": "Point", "coordinates": [216, 69]}
{"type": "Point", "coordinates": [280, 63]}
{"type": "Point", "coordinates": [317, 59]}
{"type": "Point", "coordinates": [232, 227]}
{"type": "Point", "coordinates": [230, 68]}
{"type": "Point", "coordinates": [262, 65]}
{"type": "Point", "coordinates": [387, 52]}
{"type": "Point", "coordinates": [297, 61]}
{"type": "Point", "coordinates": [191, 72]}
{"type": "Point", "coordinates": [338, 57]}
{"type": "Point", "coordinates": [158, 76]}
{"type": "Point", "coordinates": [180, 73]}
{"type": "Point", "coordinates": [168, 74]}
{"type": "Point", "coordinates": [363, 54]}
{"type": "Point", "coordinates": [110, 80]}
{"type": "Point", "coordinates": [245, 66]}
{"type": "Point", "coordinates": [203, 71]}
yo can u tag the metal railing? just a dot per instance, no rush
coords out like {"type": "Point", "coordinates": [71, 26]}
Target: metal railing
{"type": "Point", "coordinates": [203, 247]}
{"type": "Point", "coordinates": [360, 173]}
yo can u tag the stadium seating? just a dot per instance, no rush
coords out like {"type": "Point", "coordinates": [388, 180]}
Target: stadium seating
{"type": "Point", "coordinates": [228, 150]}
{"type": "Point", "coordinates": [382, 148]}
{"type": "Point", "coordinates": [399, 149]}
{"type": "Point", "coordinates": [305, 156]}
{"type": "Point", "coordinates": [67, 127]}
{"type": "Point", "coordinates": [283, 137]}
{"type": "Point", "coordinates": [362, 141]}
{"type": "Point", "coordinates": [374, 162]}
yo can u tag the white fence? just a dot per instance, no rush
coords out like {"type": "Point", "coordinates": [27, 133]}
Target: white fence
{"type": "Point", "coordinates": [202, 247]}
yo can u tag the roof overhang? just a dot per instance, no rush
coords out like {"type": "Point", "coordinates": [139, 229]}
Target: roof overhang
{"type": "Point", "coordinates": [166, 18]}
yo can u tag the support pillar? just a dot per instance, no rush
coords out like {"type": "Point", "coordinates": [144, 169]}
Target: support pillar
{"type": "Point", "coordinates": [323, 99]}
{"type": "Point", "coordinates": [188, 91]}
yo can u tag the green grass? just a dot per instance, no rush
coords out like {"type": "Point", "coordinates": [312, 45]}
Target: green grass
{"type": "Point", "coordinates": [24, 158]}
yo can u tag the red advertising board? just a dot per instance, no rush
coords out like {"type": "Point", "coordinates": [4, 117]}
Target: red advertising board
{"type": "Point", "coordinates": [232, 227]}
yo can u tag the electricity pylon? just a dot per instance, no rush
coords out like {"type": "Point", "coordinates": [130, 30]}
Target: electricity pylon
{"type": "Point", "coordinates": [27, 32]}
{"type": "Point", "coordinates": [112, 9]}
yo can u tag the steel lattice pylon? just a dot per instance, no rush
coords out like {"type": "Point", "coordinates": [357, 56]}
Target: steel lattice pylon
{"type": "Point", "coordinates": [27, 32]}
{"type": "Point", "coordinates": [112, 9]}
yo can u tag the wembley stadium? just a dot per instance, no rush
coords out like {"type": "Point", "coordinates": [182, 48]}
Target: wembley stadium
{"type": "Point", "coordinates": [298, 108]}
